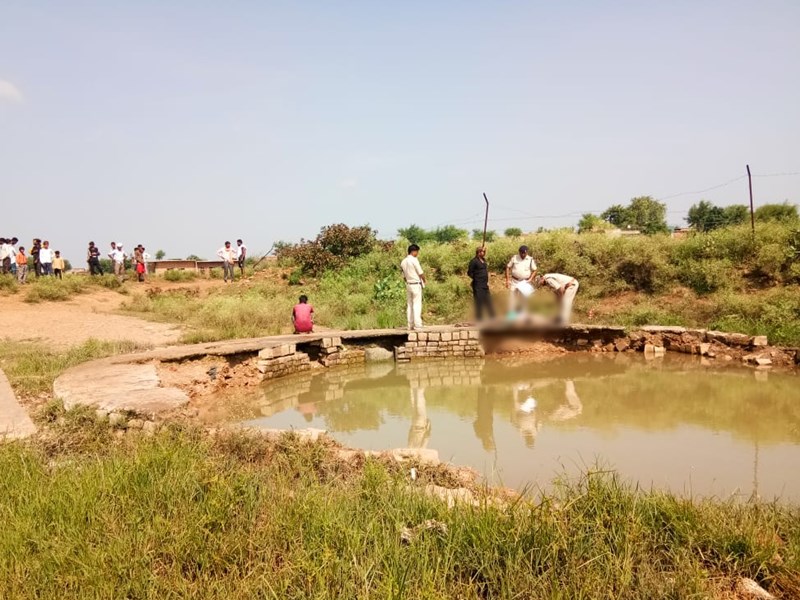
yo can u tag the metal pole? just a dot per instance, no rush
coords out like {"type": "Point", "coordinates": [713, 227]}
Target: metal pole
{"type": "Point", "coordinates": [752, 213]}
{"type": "Point", "coordinates": [485, 220]}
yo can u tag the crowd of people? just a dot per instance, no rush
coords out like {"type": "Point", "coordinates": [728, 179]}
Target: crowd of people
{"type": "Point", "coordinates": [522, 280]}
{"type": "Point", "coordinates": [46, 262]}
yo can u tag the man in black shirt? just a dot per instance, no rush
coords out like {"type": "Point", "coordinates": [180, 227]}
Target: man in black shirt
{"type": "Point", "coordinates": [478, 271]}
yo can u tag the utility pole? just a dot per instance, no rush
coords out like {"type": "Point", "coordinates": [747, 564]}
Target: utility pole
{"type": "Point", "coordinates": [752, 213]}
{"type": "Point", "coordinates": [485, 220]}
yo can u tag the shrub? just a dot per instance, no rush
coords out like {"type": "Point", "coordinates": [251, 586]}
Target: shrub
{"type": "Point", "coordinates": [513, 232]}
{"type": "Point", "coordinates": [331, 249]}
{"type": "Point", "coordinates": [8, 285]}
{"type": "Point", "coordinates": [180, 275]}
{"type": "Point", "coordinates": [52, 289]}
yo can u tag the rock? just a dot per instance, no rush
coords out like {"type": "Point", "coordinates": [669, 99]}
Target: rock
{"type": "Point", "coordinates": [621, 344]}
{"type": "Point", "coordinates": [763, 362]}
{"type": "Point", "coordinates": [15, 423]}
{"type": "Point", "coordinates": [377, 354]}
{"type": "Point", "coordinates": [424, 456]}
{"type": "Point", "coordinates": [116, 419]}
{"type": "Point", "coordinates": [759, 340]}
{"type": "Point", "coordinates": [100, 414]}
{"type": "Point", "coordinates": [704, 349]}
{"type": "Point", "coordinates": [750, 589]}
{"type": "Point", "coordinates": [135, 424]}
{"type": "Point", "coordinates": [451, 496]}
{"type": "Point", "coordinates": [150, 427]}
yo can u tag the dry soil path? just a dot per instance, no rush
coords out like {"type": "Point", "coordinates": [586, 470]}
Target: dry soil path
{"type": "Point", "coordinates": [65, 324]}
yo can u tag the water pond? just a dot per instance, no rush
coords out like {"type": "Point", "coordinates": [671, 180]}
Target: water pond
{"type": "Point", "coordinates": [675, 423]}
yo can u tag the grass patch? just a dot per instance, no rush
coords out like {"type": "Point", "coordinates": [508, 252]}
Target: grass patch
{"type": "Point", "coordinates": [8, 284]}
{"type": "Point", "coordinates": [183, 515]}
{"type": "Point", "coordinates": [31, 367]}
{"type": "Point", "coordinates": [180, 275]}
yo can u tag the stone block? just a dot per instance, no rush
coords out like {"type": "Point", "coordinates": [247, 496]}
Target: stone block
{"type": "Point", "coordinates": [434, 336]}
{"type": "Point", "coordinates": [267, 353]}
{"type": "Point", "coordinates": [326, 342]}
{"type": "Point", "coordinates": [474, 334]}
{"type": "Point", "coordinates": [763, 361]}
{"type": "Point", "coordinates": [422, 336]}
{"type": "Point", "coordinates": [759, 340]}
{"type": "Point", "coordinates": [337, 341]}
{"type": "Point", "coordinates": [412, 336]}
{"type": "Point", "coordinates": [704, 348]}
{"type": "Point", "coordinates": [446, 336]}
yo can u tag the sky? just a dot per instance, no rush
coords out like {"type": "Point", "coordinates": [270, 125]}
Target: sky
{"type": "Point", "coordinates": [180, 125]}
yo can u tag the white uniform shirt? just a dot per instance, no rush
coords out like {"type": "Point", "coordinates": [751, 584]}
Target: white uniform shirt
{"type": "Point", "coordinates": [558, 280]}
{"type": "Point", "coordinates": [411, 269]}
{"type": "Point", "coordinates": [239, 250]}
{"type": "Point", "coordinates": [521, 268]}
{"type": "Point", "coordinates": [45, 255]}
{"type": "Point", "coordinates": [227, 254]}
{"type": "Point", "coordinates": [117, 255]}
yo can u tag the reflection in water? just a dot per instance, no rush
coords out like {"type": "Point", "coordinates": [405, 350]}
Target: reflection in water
{"type": "Point", "coordinates": [675, 423]}
{"type": "Point", "coordinates": [420, 431]}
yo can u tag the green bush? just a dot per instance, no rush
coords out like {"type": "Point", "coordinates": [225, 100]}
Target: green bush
{"type": "Point", "coordinates": [8, 284]}
{"type": "Point", "coordinates": [52, 289]}
{"type": "Point", "coordinates": [180, 275]}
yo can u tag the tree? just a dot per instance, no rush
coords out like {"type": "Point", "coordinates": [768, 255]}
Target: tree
{"type": "Point", "coordinates": [513, 232]}
{"type": "Point", "coordinates": [477, 235]}
{"type": "Point", "coordinates": [331, 248]}
{"type": "Point", "coordinates": [414, 234]}
{"type": "Point", "coordinates": [617, 215]}
{"type": "Point", "coordinates": [448, 233]}
{"type": "Point", "coordinates": [160, 254]}
{"type": "Point", "coordinates": [736, 214]}
{"type": "Point", "coordinates": [776, 212]}
{"type": "Point", "coordinates": [590, 222]}
{"type": "Point", "coordinates": [705, 216]}
{"type": "Point", "coordinates": [643, 213]}
{"type": "Point", "coordinates": [193, 257]}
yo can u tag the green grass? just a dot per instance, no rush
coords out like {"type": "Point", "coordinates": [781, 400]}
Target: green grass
{"type": "Point", "coordinates": [182, 515]}
{"type": "Point", "coordinates": [32, 367]}
{"type": "Point", "coordinates": [180, 275]}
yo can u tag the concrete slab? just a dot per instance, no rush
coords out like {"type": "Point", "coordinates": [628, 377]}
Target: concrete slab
{"type": "Point", "coordinates": [14, 420]}
{"type": "Point", "coordinates": [115, 387]}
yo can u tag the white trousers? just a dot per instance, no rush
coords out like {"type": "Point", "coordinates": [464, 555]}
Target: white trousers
{"type": "Point", "coordinates": [414, 305]}
{"type": "Point", "coordinates": [566, 302]}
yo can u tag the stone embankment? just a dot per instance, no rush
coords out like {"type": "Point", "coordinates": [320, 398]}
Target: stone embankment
{"type": "Point", "coordinates": [160, 381]}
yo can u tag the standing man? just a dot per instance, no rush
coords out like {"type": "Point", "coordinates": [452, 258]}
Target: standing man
{"type": "Point", "coordinates": [241, 255]}
{"type": "Point", "coordinates": [565, 288]}
{"type": "Point", "coordinates": [46, 258]}
{"type": "Point", "coordinates": [35, 249]}
{"type": "Point", "coordinates": [228, 256]}
{"type": "Point", "coordinates": [93, 256]}
{"type": "Point", "coordinates": [478, 271]}
{"type": "Point", "coordinates": [5, 255]}
{"type": "Point", "coordinates": [117, 257]}
{"type": "Point", "coordinates": [415, 281]}
{"type": "Point", "coordinates": [520, 272]}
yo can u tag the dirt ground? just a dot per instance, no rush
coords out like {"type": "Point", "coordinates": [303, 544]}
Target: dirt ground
{"type": "Point", "coordinates": [66, 324]}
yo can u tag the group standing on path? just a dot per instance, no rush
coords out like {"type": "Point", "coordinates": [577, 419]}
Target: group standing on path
{"type": "Point", "coordinates": [46, 261]}
{"type": "Point", "coordinates": [522, 280]}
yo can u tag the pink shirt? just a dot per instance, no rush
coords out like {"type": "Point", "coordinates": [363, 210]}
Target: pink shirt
{"type": "Point", "coordinates": [302, 317]}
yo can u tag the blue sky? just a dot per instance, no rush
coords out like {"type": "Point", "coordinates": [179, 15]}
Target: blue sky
{"type": "Point", "coordinates": [182, 124]}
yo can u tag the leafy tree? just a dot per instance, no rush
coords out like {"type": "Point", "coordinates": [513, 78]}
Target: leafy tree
{"type": "Point", "coordinates": [193, 257]}
{"type": "Point", "coordinates": [448, 233]}
{"type": "Point", "coordinates": [736, 214]}
{"type": "Point", "coordinates": [705, 216]}
{"type": "Point", "coordinates": [160, 254]}
{"type": "Point", "coordinates": [617, 215]}
{"type": "Point", "coordinates": [330, 249]}
{"type": "Point", "coordinates": [414, 234]}
{"type": "Point", "coordinates": [643, 213]}
{"type": "Point", "coordinates": [513, 232]}
{"type": "Point", "coordinates": [477, 235]}
{"type": "Point", "coordinates": [776, 212]}
{"type": "Point", "coordinates": [590, 222]}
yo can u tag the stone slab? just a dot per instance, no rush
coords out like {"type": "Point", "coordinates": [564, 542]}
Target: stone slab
{"type": "Point", "coordinates": [109, 386]}
{"type": "Point", "coordinates": [14, 420]}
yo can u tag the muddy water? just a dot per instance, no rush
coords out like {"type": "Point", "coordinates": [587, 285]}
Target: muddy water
{"type": "Point", "coordinates": [671, 423]}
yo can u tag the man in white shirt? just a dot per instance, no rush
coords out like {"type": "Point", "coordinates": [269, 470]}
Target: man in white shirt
{"type": "Point", "coordinates": [520, 271]}
{"type": "Point", "coordinates": [228, 256]}
{"type": "Point", "coordinates": [117, 256]}
{"type": "Point", "coordinates": [241, 255]}
{"type": "Point", "coordinates": [6, 255]}
{"type": "Point", "coordinates": [565, 288]}
{"type": "Point", "coordinates": [415, 280]}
